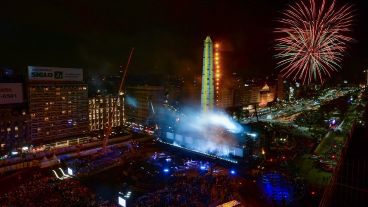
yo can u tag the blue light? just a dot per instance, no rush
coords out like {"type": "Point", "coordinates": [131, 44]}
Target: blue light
{"type": "Point", "coordinates": [232, 172]}
{"type": "Point", "coordinates": [203, 167]}
{"type": "Point", "coordinates": [166, 170]}
{"type": "Point", "coordinates": [276, 188]}
{"type": "Point", "coordinates": [253, 135]}
{"type": "Point", "coordinates": [70, 122]}
{"type": "Point", "coordinates": [131, 101]}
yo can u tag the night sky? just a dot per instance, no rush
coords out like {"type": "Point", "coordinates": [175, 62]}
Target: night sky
{"type": "Point", "coordinates": [167, 35]}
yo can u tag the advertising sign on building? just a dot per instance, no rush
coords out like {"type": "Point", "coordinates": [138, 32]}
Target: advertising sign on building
{"type": "Point", "coordinates": [11, 93]}
{"type": "Point", "coordinates": [54, 74]}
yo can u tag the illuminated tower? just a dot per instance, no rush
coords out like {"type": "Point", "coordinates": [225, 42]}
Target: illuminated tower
{"type": "Point", "coordinates": [208, 93]}
{"type": "Point", "coordinates": [217, 74]}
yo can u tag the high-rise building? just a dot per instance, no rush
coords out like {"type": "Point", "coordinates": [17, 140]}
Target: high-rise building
{"type": "Point", "coordinates": [101, 107]}
{"type": "Point", "coordinates": [208, 93]}
{"type": "Point", "coordinates": [227, 98]}
{"type": "Point", "coordinates": [254, 94]}
{"type": "Point", "coordinates": [281, 95]}
{"type": "Point", "coordinates": [191, 94]}
{"type": "Point", "coordinates": [242, 96]}
{"type": "Point", "coordinates": [266, 94]}
{"type": "Point", "coordinates": [58, 103]}
{"type": "Point", "coordinates": [142, 102]}
{"type": "Point", "coordinates": [14, 128]}
{"type": "Point", "coordinates": [219, 99]}
{"type": "Point", "coordinates": [14, 118]}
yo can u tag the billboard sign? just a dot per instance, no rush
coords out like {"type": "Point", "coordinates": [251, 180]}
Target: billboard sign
{"type": "Point", "coordinates": [11, 93]}
{"type": "Point", "coordinates": [54, 74]}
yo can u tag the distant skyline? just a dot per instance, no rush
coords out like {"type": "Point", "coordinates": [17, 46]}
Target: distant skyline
{"type": "Point", "coordinates": [167, 35]}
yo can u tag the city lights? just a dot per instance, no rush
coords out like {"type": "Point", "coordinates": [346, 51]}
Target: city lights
{"type": "Point", "coordinates": [217, 72]}
{"type": "Point", "coordinates": [225, 103]}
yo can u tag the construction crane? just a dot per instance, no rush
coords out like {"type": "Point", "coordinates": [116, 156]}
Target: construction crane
{"type": "Point", "coordinates": [108, 128]}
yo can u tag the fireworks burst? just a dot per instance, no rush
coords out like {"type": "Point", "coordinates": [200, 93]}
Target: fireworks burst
{"type": "Point", "coordinates": [313, 39]}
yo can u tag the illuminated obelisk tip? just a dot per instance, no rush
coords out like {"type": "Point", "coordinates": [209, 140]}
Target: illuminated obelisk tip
{"type": "Point", "coordinates": [208, 93]}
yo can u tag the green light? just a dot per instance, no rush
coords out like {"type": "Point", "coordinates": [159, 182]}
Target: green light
{"type": "Point", "coordinates": [207, 96]}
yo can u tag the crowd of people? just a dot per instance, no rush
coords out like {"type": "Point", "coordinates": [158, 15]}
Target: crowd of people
{"type": "Point", "coordinates": [179, 188]}
{"type": "Point", "coordinates": [49, 191]}
{"type": "Point", "coordinates": [198, 191]}
{"type": "Point", "coordinates": [87, 165]}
